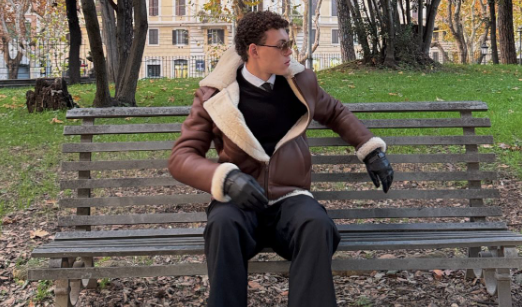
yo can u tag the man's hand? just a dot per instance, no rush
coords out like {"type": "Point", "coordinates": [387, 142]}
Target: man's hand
{"type": "Point", "coordinates": [379, 169]}
{"type": "Point", "coordinates": [245, 192]}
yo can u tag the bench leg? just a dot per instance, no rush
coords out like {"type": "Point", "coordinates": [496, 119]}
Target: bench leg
{"type": "Point", "coordinates": [473, 252]}
{"type": "Point", "coordinates": [88, 262]}
{"type": "Point", "coordinates": [66, 291]}
{"type": "Point", "coordinates": [503, 277]}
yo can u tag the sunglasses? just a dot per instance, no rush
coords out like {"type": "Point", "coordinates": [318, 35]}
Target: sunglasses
{"type": "Point", "coordinates": [284, 47]}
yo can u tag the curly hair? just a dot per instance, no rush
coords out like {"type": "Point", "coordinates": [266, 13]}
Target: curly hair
{"type": "Point", "coordinates": [252, 27]}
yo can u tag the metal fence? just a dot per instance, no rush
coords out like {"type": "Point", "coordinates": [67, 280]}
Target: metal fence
{"type": "Point", "coordinates": [200, 66]}
{"type": "Point", "coordinates": [45, 59]}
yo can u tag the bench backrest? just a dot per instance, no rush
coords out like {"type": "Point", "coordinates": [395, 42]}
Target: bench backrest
{"type": "Point", "coordinates": [433, 146]}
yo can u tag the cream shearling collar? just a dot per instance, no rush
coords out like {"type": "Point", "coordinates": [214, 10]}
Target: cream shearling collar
{"type": "Point", "coordinates": [224, 111]}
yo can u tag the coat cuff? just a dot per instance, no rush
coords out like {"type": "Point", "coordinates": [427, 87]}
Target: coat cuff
{"type": "Point", "coordinates": [370, 146]}
{"type": "Point", "coordinates": [218, 181]}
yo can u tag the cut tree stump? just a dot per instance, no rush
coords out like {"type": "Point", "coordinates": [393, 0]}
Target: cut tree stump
{"type": "Point", "coordinates": [49, 95]}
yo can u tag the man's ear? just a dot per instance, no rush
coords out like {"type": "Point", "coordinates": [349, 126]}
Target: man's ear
{"type": "Point", "coordinates": [252, 50]}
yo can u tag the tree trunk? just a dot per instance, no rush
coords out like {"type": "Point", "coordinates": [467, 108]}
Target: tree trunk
{"type": "Point", "coordinates": [508, 53]}
{"type": "Point", "coordinates": [75, 41]}
{"type": "Point", "coordinates": [483, 40]}
{"type": "Point", "coordinates": [102, 97]}
{"type": "Point", "coordinates": [359, 28]}
{"type": "Point", "coordinates": [125, 34]}
{"type": "Point", "coordinates": [430, 26]}
{"type": "Point", "coordinates": [441, 49]}
{"type": "Point", "coordinates": [13, 65]}
{"type": "Point", "coordinates": [109, 33]}
{"type": "Point", "coordinates": [493, 26]}
{"type": "Point", "coordinates": [408, 12]}
{"type": "Point", "coordinates": [457, 30]}
{"type": "Point", "coordinates": [389, 58]}
{"type": "Point", "coordinates": [345, 31]}
{"type": "Point", "coordinates": [420, 11]}
{"type": "Point", "coordinates": [126, 96]}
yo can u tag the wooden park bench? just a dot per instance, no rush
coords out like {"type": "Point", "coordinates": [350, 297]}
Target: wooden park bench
{"type": "Point", "coordinates": [123, 201]}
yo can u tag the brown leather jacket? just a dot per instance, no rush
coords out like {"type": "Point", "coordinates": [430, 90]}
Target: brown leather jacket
{"type": "Point", "coordinates": [215, 117]}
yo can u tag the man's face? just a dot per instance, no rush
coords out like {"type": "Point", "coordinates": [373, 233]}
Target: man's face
{"type": "Point", "coordinates": [272, 60]}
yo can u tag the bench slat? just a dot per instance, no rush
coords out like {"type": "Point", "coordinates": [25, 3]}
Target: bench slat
{"type": "Point", "coordinates": [334, 159]}
{"type": "Point", "coordinates": [316, 177]}
{"type": "Point", "coordinates": [369, 123]}
{"type": "Point", "coordinates": [313, 142]}
{"type": "Point", "coordinates": [198, 217]}
{"type": "Point", "coordinates": [194, 232]}
{"type": "Point", "coordinates": [196, 246]}
{"type": "Point", "coordinates": [79, 113]}
{"type": "Point", "coordinates": [338, 265]}
{"type": "Point", "coordinates": [319, 195]}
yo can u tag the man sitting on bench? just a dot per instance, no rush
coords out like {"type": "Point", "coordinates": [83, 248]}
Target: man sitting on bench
{"type": "Point", "coordinates": [256, 106]}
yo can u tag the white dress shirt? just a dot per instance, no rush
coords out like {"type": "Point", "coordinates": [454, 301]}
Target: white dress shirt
{"type": "Point", "coordinates": [256, 81]}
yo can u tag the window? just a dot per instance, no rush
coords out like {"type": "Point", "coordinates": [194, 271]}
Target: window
{"type": "Point", "coordinates": [200, 65]}
{"type": "Point", "coordinates": [180, 8]}
{"type": "Point", "coordinates": [216, 36]}
{"type": "Point", "coordinates": [180, 68]}
{"type": "Point", "coordinates": [334, 7]}
{"type": "Point", "coordinates": [153, 7]}
{"type": "Point", "coordinates": [335, 36]}
{"type": "Point", "coordinates": [435, 36]}
{"type": "Point", "coordinates": [153, 70]}
{"type": "Point", "coordinates": [313, 35]}
{"type": "Point", "coordinates": [435, 56]}
{"type": "Point", "coordinates": [153, 37]}
{"type": "Point", "coordinates": [180, 37]}
{"type": "Point", "coordinates": [254, 8]}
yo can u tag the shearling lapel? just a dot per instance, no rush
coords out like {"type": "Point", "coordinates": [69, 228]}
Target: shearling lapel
{"type": "Point", "coordinates": [223, 107]}
{"type": "Point", "coordinates": [223, 110]}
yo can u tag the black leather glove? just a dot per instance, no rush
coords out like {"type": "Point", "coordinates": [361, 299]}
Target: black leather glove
{"type": "Point", "coordinates": [379, 169]}
{"type": "Point", "coordinates": [245, 192]}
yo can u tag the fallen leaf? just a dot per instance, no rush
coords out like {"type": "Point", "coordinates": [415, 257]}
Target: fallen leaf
{"type": "Point", "coordinates": [255, 286]}
{"type": "Point", "coordinates": [392, 94]}
{"type": "Point", "coordinates": [351, 86]}
{"type": "Point", "coordinates": [56, 121]}
{"type": "Point", "coordinates": [387, 256]}
{"type": "Point", "coordinates": [38, 233]}
{"type": "Point", "coordinates": [439, 99]}
{"type": "Point", "coordinates": [437, 274]}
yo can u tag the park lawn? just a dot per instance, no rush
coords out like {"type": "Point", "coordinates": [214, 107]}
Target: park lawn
{"type": "Point", "coordinates": [31, 143]}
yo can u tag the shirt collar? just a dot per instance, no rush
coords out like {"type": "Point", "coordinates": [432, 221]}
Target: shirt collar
{"type": "Point", "coordinates": [256, 81]}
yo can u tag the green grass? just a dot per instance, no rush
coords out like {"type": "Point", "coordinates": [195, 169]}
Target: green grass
{"type": "Point", "coordinates": [31, 143]}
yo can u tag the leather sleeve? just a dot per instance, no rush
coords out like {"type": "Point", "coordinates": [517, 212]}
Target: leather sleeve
{"type": "Point", "coordinates": [333, 114]}
{"type": "Point", "coordinates": [187, 162]}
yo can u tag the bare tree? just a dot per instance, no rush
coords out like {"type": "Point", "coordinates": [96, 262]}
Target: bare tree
{"type": "Point", "coordinates": [508, 53]}
{"type": "Point", "coordinates": [75, 41]}
{"type": "Point", "coordinates": [126, 64]}
{"type": "Point", "coordinates": [493, 26]}
{"type": "Point", "coordinates": [457, 29]}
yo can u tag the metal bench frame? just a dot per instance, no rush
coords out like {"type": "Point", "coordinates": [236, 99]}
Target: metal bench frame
{"type": "Point", "coordinates": [491, 246]}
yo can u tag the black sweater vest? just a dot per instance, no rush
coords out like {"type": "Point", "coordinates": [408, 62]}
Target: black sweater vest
{"type": "Point", "coordinates": [269, 115]}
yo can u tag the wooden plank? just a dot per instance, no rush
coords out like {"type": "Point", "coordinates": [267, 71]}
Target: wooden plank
{"type": "Point", "coordinates": [313, 142]}
{"type": "Point", "coordinates": [122, 129]}
{"type": "Point", "coordinates": [413, 212]}
{"type": "Point", "coordinates": [417, 123]}
{"type": "Point", "coordinates": [334, 159]}
{"type": "Point", "coordinates": [406, 194]}
{"type": "Point", "coordinates": [346, 237]}
{"type": "Point", "coordinates": [75, 220]}
{"type": "Point", "coordinates": [118, 183]}
{"type": "Point", "coordinates": [406, 176]}
{"type": "Point", "coordinates": [369, 123]}
{"type": "Point", "coordinates": [422, 106]}
{"type": "Point", "coordinates": [316, 177]}
{"type": "Point", "coordinates": [254, 267]}
{"type": "Point", "coordinates": [197, 248]}
{"type": "Point", "coordinates": [135, 201]}
{"type": "Point", "coordinates": [343, 228]}
{"type": "Point", "coordinates": [319, 195]}
{"type": "Point", "coordinates": [411, 140]}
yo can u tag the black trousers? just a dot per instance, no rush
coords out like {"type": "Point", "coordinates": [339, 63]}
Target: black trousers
{"type": "Point", "coordinates": [297, 228]}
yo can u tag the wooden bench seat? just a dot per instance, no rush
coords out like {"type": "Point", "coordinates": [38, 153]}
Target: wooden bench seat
{"type": "Point", "coordinates": [123, 202]}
